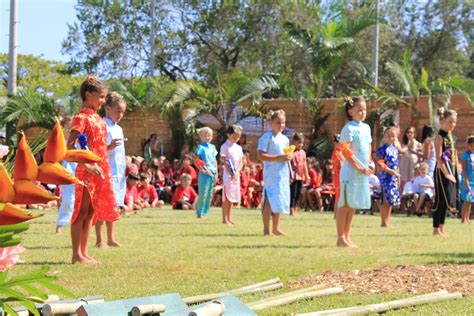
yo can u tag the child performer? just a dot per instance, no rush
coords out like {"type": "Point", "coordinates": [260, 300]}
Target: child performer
{"type": "Point", "coordinates": [355, 144]}
{"type": "Point", "coordinates": [115, 107]}
{"type": "Point", "coordinates": [446, 171]}
{"type": "Point", "coordinates": [66, 192]}
{"type": "Point", "coordinates": [207, 165]}
{"type": "Point", "coordinates": [184, 197]}
{"type": "Point", "coordinates": [232, 159]}
{"type": "Point", "coordinates": [387, 161]}
{"type": "Point", "coordinates": [423, 185]}
{"type": "Point", "coordinates": [300, 172]}
{"type": "Point", "coordinates": [276, 173]}
{"type": "Point", "coordinates": [96, 198]}
{"type": "Point", "coordinates": [467, 182]}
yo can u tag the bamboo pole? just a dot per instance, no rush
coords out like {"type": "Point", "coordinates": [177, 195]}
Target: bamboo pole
{"type": "Point", "coordinates": [293, 298]}
{"type": "Point", "coordinates": [148, 309]}
{"type": "Point", "coordinates": [298, 291]}
{"type": "Point", "coordinates": [269, 285]}
{"type": "Point", "coordinates": [390, 305]}
{"type": "Point", "coordinates": [61, 308]}
{"type": "Point", "coordinates": [216, 308]}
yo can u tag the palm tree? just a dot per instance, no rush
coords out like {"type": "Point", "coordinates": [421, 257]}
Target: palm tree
{"type": "Point", "coordinates": [235, 97]}
{"type": "Point", "coordinates": [26, 110]}
{"type": "Point", "coordinates": [408, 86]}
{"type": "Point", "coordinates": [329, 46]}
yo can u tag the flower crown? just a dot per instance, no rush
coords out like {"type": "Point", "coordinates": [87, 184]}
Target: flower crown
{"type": "Point", "coordinates": [349, 100]}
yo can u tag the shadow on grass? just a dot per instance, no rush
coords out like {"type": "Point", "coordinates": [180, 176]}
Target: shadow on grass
{"type": "Point", "coordinates": [174, 223]}
{"type": "Point", "coordinates": [391, 235]}
{"type": "Point", "coordinates": [449, 258]}
{"type": "Point", "coordinates": [270, 246]}
{"type": "Point", "coordinates": [47, 263]}
{"type": "Point", "coordinates": [45, 248]}
{"type": "Point", "coordinates": [219, 235]}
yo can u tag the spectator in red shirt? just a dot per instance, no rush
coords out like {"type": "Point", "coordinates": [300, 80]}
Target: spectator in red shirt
{"type": "Point", "coordinates": [187, 168]}
{"type": "Point", "coordinates": [244, 185]}
{"type": "Point", "coordinates": [185, 197]}
{"type": "Point", "coordinates": [132, 200]}
{"type": "Point", "coordinates": [147, 193]}
{"type": "Point", "coordinates": [314, 189]}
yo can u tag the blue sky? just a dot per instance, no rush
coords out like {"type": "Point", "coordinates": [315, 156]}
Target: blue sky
{"type": "Point", "coordinates": [42, 27]}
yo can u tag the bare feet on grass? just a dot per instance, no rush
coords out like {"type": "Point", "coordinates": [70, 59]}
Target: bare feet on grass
{"type": "Point", "coordinates": [278, 233]}
{"type": "Point", "coordinates": [342, 242]}
{"type": "Point", "coordinates": [81, 259]}
{"type": "Point", "coordinates": [101, 245]}
{"type": "Point", "coordinates": [113, 243]}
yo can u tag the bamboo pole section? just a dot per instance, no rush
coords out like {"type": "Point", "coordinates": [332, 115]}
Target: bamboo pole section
{"type": "Point", "coordinates": [387, 306]}
{"type": "Point", "coordinates": [269, 285]}
{"type": "Point", "coordinates": [148, 309]}
{"type": "Point", "coordinates": [288, 299]}
{"type": "Point", "coordinates": [216, 308]}
{"type": "Point", "coordinates": [282, 295]}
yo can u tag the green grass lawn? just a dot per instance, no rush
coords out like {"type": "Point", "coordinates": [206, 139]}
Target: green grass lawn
{"type": "Point", "coordinates": [171, 251]}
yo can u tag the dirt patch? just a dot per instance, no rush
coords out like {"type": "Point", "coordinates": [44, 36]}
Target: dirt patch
{"type": "Point", "coordinates": [403, 278]}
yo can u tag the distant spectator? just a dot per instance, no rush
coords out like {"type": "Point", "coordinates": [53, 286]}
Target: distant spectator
{"type": "Point", "coordinates": [131, 195]}
{"type": "Point", "coordinates": [429, 152]}
{"type": "Point", "coordinates": [411, 149]}
{"type": "Point", "coordinates": [151, 147]}
{"type": "Point", "coordinates": [147, 192]}
{"type": "Point", "coordinates": [185, 197]}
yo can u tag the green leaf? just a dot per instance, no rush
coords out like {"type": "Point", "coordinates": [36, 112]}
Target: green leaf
{"type": "Point", "coordinates": [17, 228]}
{"type": "Point", "coordinates": [32, 291]}
{"type": "Point", "coordinates": [31, 307]}
{"type": "Point", "coordinates": [9, 310]}
{"type": "Point", "coordinates": [56, 288]}
{"type": "Point", "coordinates": [11, 242]}
{"type": "Point", "coordinates": [3, 276]}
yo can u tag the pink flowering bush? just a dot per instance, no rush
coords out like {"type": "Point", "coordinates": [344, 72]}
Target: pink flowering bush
{"type": "Point", "coordinates": [9, 256]}
{"type": "Point", "coordinates": [3, 151]}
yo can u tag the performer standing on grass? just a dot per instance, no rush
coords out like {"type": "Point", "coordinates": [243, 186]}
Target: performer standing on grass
{"type": "Point", "coordinates": [389, 177]}
{"type": "Point", "coordinates": [207, 164]}
{"type": "Point", "coordinates": [276, 173]}
{"type": "Point", "coordinates": [232, 159]}
{"type": "Point", "coordinates": [467, 183]}
{"type": "Point", "coordinates": [355, 144]}
{"type": "Point", "coordinates": [96, 198]}
{"type": "Point", "coordinates": [446, 173]}
{"type": "Point", "coordinates": [115, 107]}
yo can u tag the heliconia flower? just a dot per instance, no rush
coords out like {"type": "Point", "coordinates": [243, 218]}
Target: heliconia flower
{"type": "Point", "coordinates": [3, 151]}
{"type": "Point", "coordinates": [9, 256]}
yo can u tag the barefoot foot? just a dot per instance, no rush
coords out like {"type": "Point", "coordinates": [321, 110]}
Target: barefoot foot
{"type": "Point", "coordinates": [113, 243]}
{"type": "Point", "coordinates": [101, 245]}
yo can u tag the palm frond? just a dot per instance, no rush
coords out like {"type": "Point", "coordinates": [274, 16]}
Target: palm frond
{"type": "Point", "coordinates": [257, 87]}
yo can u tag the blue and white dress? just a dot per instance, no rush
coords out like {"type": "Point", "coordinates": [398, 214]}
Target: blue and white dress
{"type": "Point", "coordinates": [467, 196]}
{"type": "Point", "coordinates": [355, 190]}
{"type": "Point", "coordinates": [389, 183]}
{"type": "Point", "coordinates": [117, 161]}
{"type": "Point", "coordinates": [276, 174]}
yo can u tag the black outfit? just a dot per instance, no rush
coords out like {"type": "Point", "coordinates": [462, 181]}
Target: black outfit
{"type": "Point", "coordinates": [446, 190]}
{"type": "Point", "coordinates": [295, 192]}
